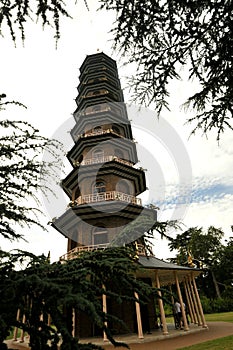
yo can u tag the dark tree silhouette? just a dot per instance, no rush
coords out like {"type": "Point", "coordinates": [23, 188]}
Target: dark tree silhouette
{"type": "Point", "coordinates": [161, 37]}
{"type": "Point", "coordinates": [47, 289]}
{"type": "Point", "coordinates": [22, 172]}
{"type": "Point", "coordinates": [164, 36]}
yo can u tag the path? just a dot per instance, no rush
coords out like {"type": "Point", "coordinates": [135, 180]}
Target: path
{"type": "Point", "coordinates": [215, 330]}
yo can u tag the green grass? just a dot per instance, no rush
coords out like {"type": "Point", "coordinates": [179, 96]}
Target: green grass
{"type": "Point", "coordinates": [169, 319]}
{"type": "Point", "coordinates": [217, 344]}
{"type": "Point", "coordinates": [12, 334]}
{"type": "Point", "coordinates": [225, 343]}
{"type": "Point", "coordinates": [223, 316]}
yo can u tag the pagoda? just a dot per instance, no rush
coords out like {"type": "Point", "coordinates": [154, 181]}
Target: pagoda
{"type": "Point", "coordinates": [103, 189]}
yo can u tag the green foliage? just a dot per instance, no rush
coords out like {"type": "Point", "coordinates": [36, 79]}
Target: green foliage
{"type": "Point", "coordinates": [142, 230]}
{"type": "Point", "coordinates": [224, 304]}
{"type": "Point", "coordinates": [227, 294]}
{"type": "Point", "coordinates": [224, 271]}
{"type": "Point", "coordinates": [16, 13]}
{"type": "Point", "coordinates": [203, 246]}
{"type": "Point", "coordinates": [8, 307]}
{"type": "Point", "coordinates": [56, 289]}
{"type": "Point", "coordinates": [220, 305]}
{"type": "Point", "coordinates": [205, 302]}
{"type": "Point", "coordinates": [197, 248]}
{"type": "Point", "coordinates": [22, 173]}
{"type": "Point", "coordinates": [164, 36]}
{"type": "Point", "coordinates": [135, 230]}
{"type": "Point", "coordinates": [168, 309]}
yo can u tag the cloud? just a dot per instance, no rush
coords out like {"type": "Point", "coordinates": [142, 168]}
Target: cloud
{"type": "Point", "coordinates": [208, 202]}
{"type": "Point", "coordinates": [203, 190]}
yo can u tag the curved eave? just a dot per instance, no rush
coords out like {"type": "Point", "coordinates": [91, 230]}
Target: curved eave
{"type": "Point", "coordinates": [95, 140]}
{"type": "Point", "coordinates": [87, 212]}
{"type": "Point", "coordinates": [111, 87]}
{"type": "Point", "coordinates": [98, 99]}
{"type": "Point", "coordinates": [101, 118]}
{"type": "Point", "coordinates": [98, 58]}
{"type": "Point", "coordinates": [166, 271]}
{"type": "Point", "coordinates": [116, 108]}
{"type": "Point", "coordinates": [113, 167]}
{"type": "Point", "coordinates": [93, 79]}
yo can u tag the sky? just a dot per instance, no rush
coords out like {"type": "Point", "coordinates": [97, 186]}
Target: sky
{"type": "Point", "coordinates": [45, 78]}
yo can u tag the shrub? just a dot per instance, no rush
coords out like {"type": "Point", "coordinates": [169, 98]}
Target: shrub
{"type": "Point", "coordinates": [206, 305]}
{"type": "Point", "coordinates": [216, 305]}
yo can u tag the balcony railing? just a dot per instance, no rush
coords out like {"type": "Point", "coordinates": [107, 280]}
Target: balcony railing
{"type": "Point", "coordinates": [73, 253]}
{"type": "Point", "coordinates": [105, 196]}
{"type": "Point", "coordinates": [95, 110]}
{"type": "Point", "coordinates": [104, 159]}
{"type": "Point", "coordinates": [98, 132]}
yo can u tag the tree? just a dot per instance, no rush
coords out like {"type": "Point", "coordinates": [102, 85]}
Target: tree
{"type": "Point", "coordinates": [8, 308]}
{"type": "Point", "coordinates": [48, 289]}
{"type": "Point", "coordinates": [224, 270]}
{"type": "Point", "coordinates": [17, 13]}
{"type": "Point", "coordinates": [141, 231]}
{"type": "Point", "coordinates": [200, 249]}
{"type": "Point", "coordinates": [77, 284]}
{"type": "Point", "coordinates": [164, 36]}
{"type": "Point", "coordinates": [22, 172]}
{"type": "Point", "coordinates": [161, 37]}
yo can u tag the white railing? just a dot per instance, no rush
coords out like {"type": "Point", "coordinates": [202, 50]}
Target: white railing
{"type": "Point", "coordinates": [98, 132]}
{"type": "Point", "coordinates": [106, 196]}
{"type": "Point", "coordinates": [104, 159]}
{"type": "Point", "coordinates": [95, 132]}
{"type": "Point", "coordinates": [72, 254]}
{"type": "Point", "coordinates": [103, 109]}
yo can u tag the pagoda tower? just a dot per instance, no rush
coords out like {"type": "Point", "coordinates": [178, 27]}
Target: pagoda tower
{"type": "Point", "coordinates": [103, 189]}
{"type": "Point", "coordinates": [104, 185]}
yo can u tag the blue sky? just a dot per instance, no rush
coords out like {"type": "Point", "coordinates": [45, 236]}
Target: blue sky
{"type": "Point", "coordinates": [202, 192]}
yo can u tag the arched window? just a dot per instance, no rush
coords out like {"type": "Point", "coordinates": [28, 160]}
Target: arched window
{"type": "Point", "coordinates": [98, 153]}
{"type": "Point", "coordinates": [99, 187]}
{"type": "Point", "coordinates": [100, 235]}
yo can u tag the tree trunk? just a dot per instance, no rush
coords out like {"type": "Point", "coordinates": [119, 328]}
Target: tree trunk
{"type": "Point", "coordinates": [215, 284]}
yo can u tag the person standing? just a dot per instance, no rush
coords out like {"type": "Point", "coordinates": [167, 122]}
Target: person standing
{"type": "Point", "coordinates": [178, 313]}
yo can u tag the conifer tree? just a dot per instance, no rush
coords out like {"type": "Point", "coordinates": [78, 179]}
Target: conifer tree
{"type": "Point", "coordinates": [22, 172]}
{"type": "Point", "coordinates": [42, 289]}
{"type": "Point", "coordinates": [161, 37]}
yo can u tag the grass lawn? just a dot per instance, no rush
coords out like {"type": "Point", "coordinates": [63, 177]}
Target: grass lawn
{"type": "Point", "coordinates": [223, 316]}
{"type": "Point", "coordinates": [225, 343]}
{"type": "Point", "coordinates": [217, 344]}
